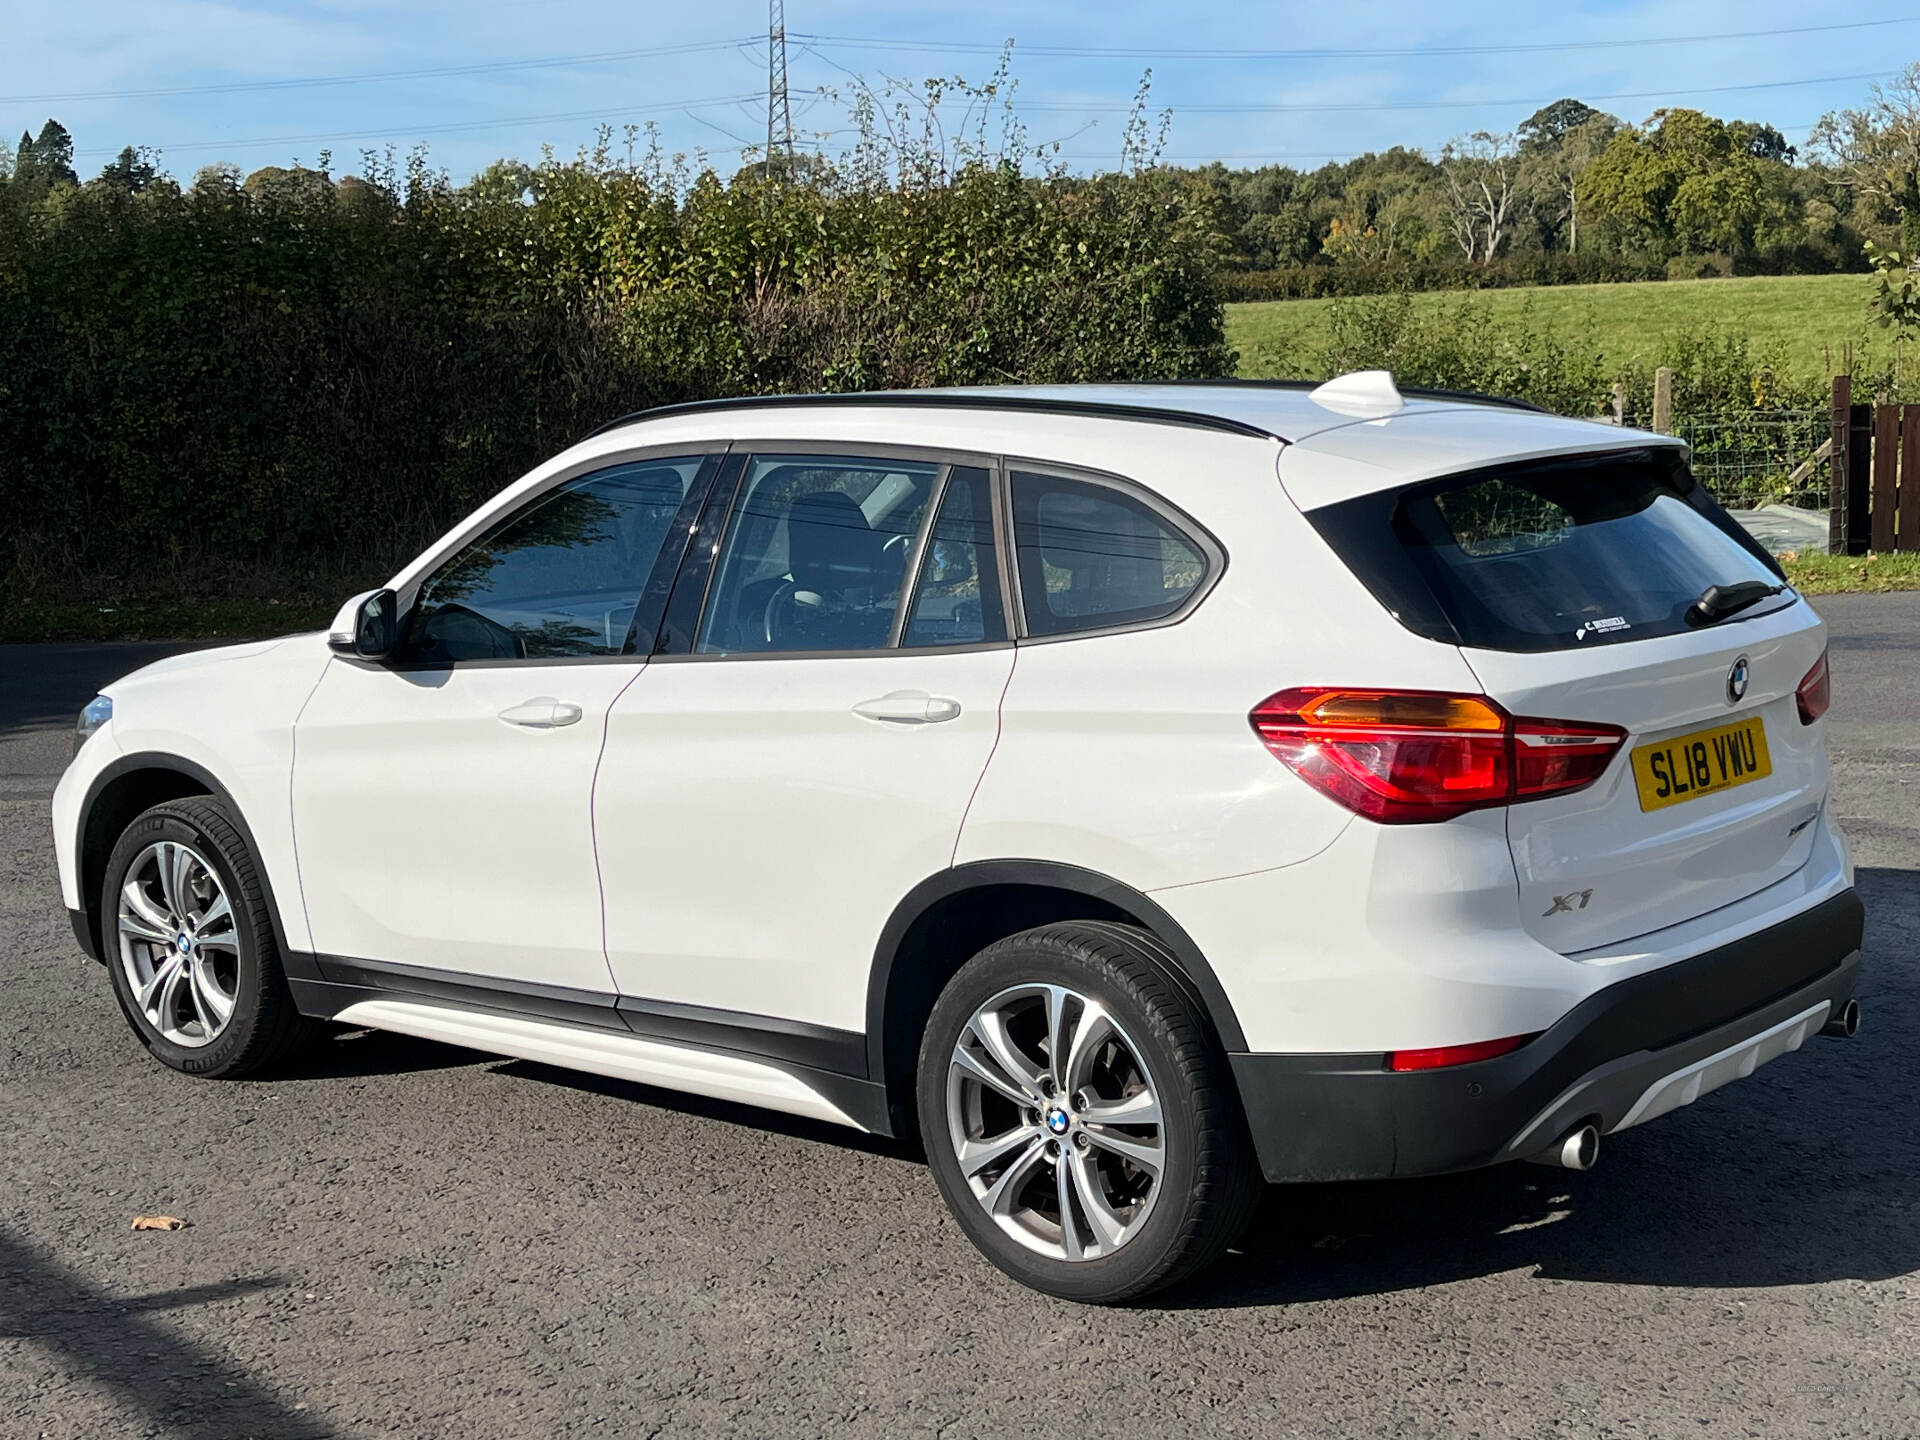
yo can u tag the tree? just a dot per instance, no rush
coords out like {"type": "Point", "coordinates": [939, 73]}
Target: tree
{"type": "Point", "coordinates": [48, 158]}
{"type": "Point", "coordinates": [1876, 149]}
{"type": "Point", "coordinates": [1481, 173]}
{"type": "Point", "coordinates": [1555, 168]}
{"type": "Point", "coordinates": [1762, 142]}
{"type": "Point", "coordinates": [287, 185]}
{"type": "Point", "coordinates": [132, 171]}
{"type": "Point", "coordinates": [6, 161]}
{"type": "Point", "coordinates": [1548, 126]}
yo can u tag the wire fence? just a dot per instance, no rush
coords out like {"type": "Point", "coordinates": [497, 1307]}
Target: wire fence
{"type": "Point", "coordinates": [1751, 458]}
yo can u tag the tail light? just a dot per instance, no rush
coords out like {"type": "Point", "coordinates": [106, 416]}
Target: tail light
{"type": "Point", "coordinates": [1815, 691]}
{"type": "Point", "coordinates": [1418, 756]}
{"type": "Point", "coordinates": [1443, 1055]}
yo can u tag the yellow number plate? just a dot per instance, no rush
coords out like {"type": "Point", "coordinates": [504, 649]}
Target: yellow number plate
{"type": "Point", "coordinates": [1703, 763]}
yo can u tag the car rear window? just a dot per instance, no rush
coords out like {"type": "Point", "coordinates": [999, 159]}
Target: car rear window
{"type": "Point", "coordinates": [1549, 555]}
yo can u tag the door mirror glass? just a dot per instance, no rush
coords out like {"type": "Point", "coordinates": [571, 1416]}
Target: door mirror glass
{"type": "Point", "coordinates": [366, 625]}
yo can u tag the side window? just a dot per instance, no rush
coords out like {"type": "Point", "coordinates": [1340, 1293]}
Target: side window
{"type": "Point", "coordinates": [957, 599]}
{"type": "Point", "coordinates": [815, 555]}
{"type": "Point", "coordinates": [560, 577]}
{"type": "Point", "coordinates": [1092, 556]}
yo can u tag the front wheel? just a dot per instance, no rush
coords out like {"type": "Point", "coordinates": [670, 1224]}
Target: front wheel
{"type": "Point", "coordinates": [190, 943]}
{"type": "Point", "coordinates": [1078, 1117]}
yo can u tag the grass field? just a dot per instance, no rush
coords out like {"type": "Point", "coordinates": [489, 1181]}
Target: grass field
{"type": "Point", "coordinates": [1813, 316]}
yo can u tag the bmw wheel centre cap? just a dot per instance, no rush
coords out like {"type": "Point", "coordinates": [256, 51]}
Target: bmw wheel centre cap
{"type": "Point", "coordinates": [1057, 1120]}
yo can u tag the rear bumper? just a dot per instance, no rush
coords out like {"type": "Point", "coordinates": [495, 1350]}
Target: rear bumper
{"type": "Point", "coordinates": [1625, 1054]}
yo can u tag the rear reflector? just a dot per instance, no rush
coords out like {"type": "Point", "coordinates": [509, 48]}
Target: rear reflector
{"type": "Point", "coordinates": [1443, 1055]}
{"type": "Point", "coordinates": [1815, 691]}
{"type": "Point", "coordinates": [1419, 756]}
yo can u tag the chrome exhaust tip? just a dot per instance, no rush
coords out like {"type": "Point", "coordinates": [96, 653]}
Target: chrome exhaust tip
{"type": "Point", "coordinates": [1578, 1149]}
{"type": "Point", "coordinates": [1846, 1024]}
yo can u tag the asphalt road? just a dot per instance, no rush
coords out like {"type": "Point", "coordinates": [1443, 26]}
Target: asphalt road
{"type": "Point", "coordinates": [407, 1239]}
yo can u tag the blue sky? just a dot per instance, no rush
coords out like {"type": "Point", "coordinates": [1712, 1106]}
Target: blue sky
{"type": "Point", "coordinates": [92, 54]}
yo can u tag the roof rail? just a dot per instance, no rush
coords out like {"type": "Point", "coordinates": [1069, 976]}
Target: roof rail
{"type": "Point", "coordinates": [1418, 392]}
{"type": "Point", "coordinates": [1042, 404]}
{"type": "Point", "coordinates": [1037, 404]}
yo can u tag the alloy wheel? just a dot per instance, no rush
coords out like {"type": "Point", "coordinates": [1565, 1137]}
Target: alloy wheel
{"type": "Point", "coordinates": [179, 944]}
{"type": "Point", "coordinates": [1056, 1122]}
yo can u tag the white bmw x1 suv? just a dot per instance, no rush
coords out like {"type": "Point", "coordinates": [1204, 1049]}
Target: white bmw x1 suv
{"type": "Point", "coordinates": [1134, 792]}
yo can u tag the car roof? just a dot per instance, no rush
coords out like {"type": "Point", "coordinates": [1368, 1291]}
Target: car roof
{"type": "Point", "coordinates": [1284, 410]}
{"type": "Point", "coordinates": [1351, 436]}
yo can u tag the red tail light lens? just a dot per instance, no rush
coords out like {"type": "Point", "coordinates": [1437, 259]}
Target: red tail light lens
{"type": "Point", "coordinates": [1815, 691]}
{"type": "Point", "coordinates": [1419, 756]}
{"type": "Point", "coordinates": [1444, 1055]}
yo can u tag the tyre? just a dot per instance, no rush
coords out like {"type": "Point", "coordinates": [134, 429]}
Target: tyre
{"type": "Point", "coordinates": [190, 944]}
{"type": "Point", "coordinates": [1078, 1116]}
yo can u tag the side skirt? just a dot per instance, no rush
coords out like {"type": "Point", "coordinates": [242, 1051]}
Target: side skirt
{"type": "Point", "coordinates": [783, 1065]}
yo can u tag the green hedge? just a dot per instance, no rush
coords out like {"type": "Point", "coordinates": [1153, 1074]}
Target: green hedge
{"type": "Point", "coordinates": [248, 391]}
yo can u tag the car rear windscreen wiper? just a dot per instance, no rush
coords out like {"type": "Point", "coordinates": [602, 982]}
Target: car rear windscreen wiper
{"type": "Point", "coordinates": [1718, 602]}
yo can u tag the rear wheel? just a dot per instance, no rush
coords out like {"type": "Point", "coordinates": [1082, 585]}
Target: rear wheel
{"type": "Point", "coordinates": [190, 944]}
{"type": "Point", "coordinates": [1078, 1117]}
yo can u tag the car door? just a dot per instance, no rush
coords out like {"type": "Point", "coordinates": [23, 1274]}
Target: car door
{"type": "Point", "coordinates": [441, 796]}
{"type": "Point", "coordinates": [803, 751]}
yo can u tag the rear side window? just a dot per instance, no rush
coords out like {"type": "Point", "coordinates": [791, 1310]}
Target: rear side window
{"type": "Point", "coordinates": [957, 600]}
{"type": "Point", "coordinates": [1552, 555]}
{"type": "Point", "coordinates": [1092, 556]}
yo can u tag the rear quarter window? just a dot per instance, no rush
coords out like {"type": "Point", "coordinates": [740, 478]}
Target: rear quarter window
{"type": "Point", "coordinates": [1549, 555]}
{"type": "Point", "coordinates": [1092, 556]}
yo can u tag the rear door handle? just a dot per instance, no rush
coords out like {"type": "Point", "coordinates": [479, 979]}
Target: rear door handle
{"type": "Point", "coordinates": [542, 713]}
{"type": "Point", "coordinates": [908, 707]}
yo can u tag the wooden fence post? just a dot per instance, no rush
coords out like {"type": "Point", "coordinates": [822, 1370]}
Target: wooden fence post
{"type": "Point", "coordinates": [1886, 475]}
{"type": "Point", "coordinates": [1837, 467]}
{"type": "Point", "coordinates": [1663, 400]}
{"type": "Point", "coordinates": [1908, 538]}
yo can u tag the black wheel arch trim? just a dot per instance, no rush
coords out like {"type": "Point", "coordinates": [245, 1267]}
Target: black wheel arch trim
{"type": "Point", "coordinates": [161, 760]}
{"type": "Point", "coordinates": [1047, 874]}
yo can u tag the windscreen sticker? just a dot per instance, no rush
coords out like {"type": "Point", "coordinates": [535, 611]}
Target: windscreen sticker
{"type": "Point", "coordinates": [1602, 627]}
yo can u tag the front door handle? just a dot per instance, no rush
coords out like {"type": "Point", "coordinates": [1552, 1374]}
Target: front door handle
{"type": "Point", "coordinates": [541, 713]}
{"type": "Point", "coordinates": [908, 707]}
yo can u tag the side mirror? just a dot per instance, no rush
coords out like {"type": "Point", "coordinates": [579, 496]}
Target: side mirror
{"type": "Point", "coordinates": [367, 625]}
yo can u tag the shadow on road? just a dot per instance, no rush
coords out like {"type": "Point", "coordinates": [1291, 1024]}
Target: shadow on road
{"type": "Point", "coordinates": [752, 1117]}
{"type": "Point", "coordinates": [109, 1342]}
{"type": "Point", "coordinates": [349, 1053]}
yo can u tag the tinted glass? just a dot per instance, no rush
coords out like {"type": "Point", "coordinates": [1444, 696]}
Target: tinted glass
{"type": "Point", "coordinates": [561, 577]}
{"type": "Point", "coordinates": [815, 555]}
{"type": "Point", "coordinates": [1092, 556]}
{"type": "Point", "coordinates": [957, 599]}
{"type": "Point", "coordinates": [1549, 556]}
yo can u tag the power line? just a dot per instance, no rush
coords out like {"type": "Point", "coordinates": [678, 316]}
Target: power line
{"type": "Point", "coordinates": [389, 132]}
{"type": "Point", "coordinates": [1253, 108]}
{"type": "Point", "coordinates": [374, 77]}
{"type": "Point", "coordinates": [846, 42]}
{"type": "Point", "coordinates": [1098, 52]}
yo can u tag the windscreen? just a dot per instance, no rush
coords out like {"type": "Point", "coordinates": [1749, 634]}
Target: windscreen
{"type": "Point", "coordinates": [1550, 555]}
